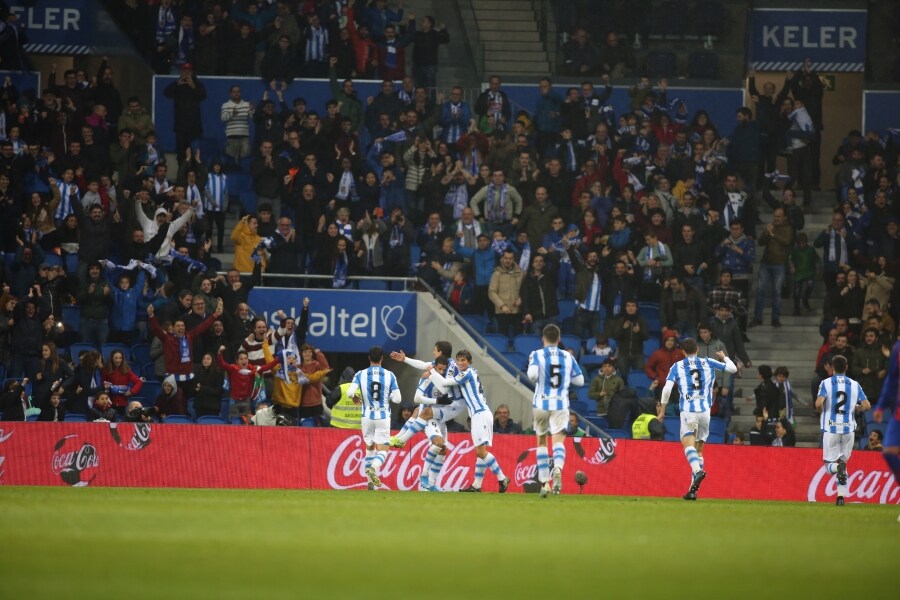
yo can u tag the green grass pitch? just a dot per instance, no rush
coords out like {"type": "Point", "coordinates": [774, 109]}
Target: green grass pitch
{"type": "Point", "coordinates": [129, 544]}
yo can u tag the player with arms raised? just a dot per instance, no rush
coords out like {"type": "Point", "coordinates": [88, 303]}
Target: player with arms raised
{"type": "Point", "coordinates": [472, 391]}
{"type": "Point", "coordinates": [373, 388]}
{"type": "Point", "coordinates": [552, 370]}
{"type": "Point", "coordinates": [839, 399]}
{"type": "Point", "coordinates": [695, 377]}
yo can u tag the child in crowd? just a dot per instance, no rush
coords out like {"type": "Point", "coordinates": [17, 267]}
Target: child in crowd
{"type": "Point", "coordinates": [786, 395]}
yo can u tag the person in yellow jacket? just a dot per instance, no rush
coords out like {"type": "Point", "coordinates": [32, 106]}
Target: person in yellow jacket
{"type": "Point", "coordinates": [246, 241]}
{"type": "Point", "coordinates": [345, 413]}
{"type": "Point", "coordinates": [288, 382]}
{"type": "Point", "coordinates": [647, 427]}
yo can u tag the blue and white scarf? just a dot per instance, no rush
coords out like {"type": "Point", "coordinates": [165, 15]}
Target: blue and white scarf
{"type": "Point", "coordinates": [457, 197]}
{"type": "Point", "coordinates": [184, 349]}
{"type": "Point", "coordinates": [70, 197]}
{"type": "Point", "coordinates": [496, 209]}
{"type": "Point", "coordinates": [341, 270]}
{"type": "Point", "coordinates": [216, 196]}
{"type": "Point", "coordinates": [288, 372]}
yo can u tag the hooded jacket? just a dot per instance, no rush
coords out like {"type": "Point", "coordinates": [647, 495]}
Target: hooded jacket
{"type": "Point", "coordinates": [171, 404]}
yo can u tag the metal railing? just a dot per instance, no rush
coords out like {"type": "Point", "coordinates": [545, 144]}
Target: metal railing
{"type": "Point", "coordinates": [465, 14]}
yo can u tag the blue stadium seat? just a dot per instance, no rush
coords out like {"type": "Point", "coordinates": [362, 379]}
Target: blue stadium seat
{"type": "Point", "coordinates": [75, 350]}
{"type": "Point", "coordinates": [239, 182]}
{"type": "Point", "coordinates": [151, 391]}
{"type": "Point", "coordinates": [518, 359]}
{"type": "Point", "coordinates": [53, 259]}
{"type": "Point", "coordinates": [209, 149]}
{"type": "Point", "coordinates": [211, 420]}
{"type": "Point", "coordinates": [478, 322]}
{"type": "Point", "coordinates": [566, 308]}
{"type": "Point", "coordinates": [651, 345]}
{"type": "Point", "coordinates": [638, 378]}
{"type": "Point", "coordinates": [107, 349]}
{"type": "Point", "coordinates": [237, 421]}
{"type": "Point", "coordinates": [377, 285]}
{"type": "Point", "coordinates": [248, 201]}
{"type": "Point", "coordinates": [140, 353]}
{"type": "Point", "coordinates": [591, 361]}
{"type": "Point", "coordinates": [598, 421]}
{"type": "Point", "coordinates": [140, 399]}
{"type": "Point", "coordinates": [642, 391]}
{"type": "Point", "coordinates": [648, 310]}
{"type": "Point", "coordinates": [661, 64]}
{"type": "Point", "coordinates": [308, 422]}
{"type": "Point", "coordinates": [526, 343]}
{"type": "Point", "coordinates": [75, 418]}
{"type": "Point", "coordinates": [71, 316]}
{"type": "Point", "coordinates": [178, 420]}
{"type": "Point", "coordinates": [581, 393]}
{"type": "Point", "coordinates": [581, 407]}
{"type": "Point", "coordinates": [415, 255]}
{"type": "Point", "coordinates": [618, 434]}
{"type": "Point", "coordinates": [497, 340]}
{"type": "Point", "coordinates": [148, 371]}
{"type": "Point", "coordinates": [716, 430]}
{"type": "Point", "coordinates": [573, 342]}
{"type": "Point", "coordinates": [673, 428]}
{"type": "Point", "coordinates": [71, 261]}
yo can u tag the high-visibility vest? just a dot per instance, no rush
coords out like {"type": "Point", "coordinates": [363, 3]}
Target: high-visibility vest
{"type": "Point", "coordinates": [640, 429]}
{"type": "Point", "coordinates": [345, 414]}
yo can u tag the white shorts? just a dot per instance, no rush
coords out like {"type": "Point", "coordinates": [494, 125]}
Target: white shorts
{"type": "Point", "coordinates": [696, 423]}
{"type": "Point", "coordinates": [837, 446]}
{"type": "Point", "coordinates": [554, 421]}
{"type": "Point", "coordinates": [483, 428]}
{"type": "Point", "coordinates": [376, 431]}
{"type": "Point", "coordinates": [448, 412]}
{"type": "Point", "coordinates": [435, 428]}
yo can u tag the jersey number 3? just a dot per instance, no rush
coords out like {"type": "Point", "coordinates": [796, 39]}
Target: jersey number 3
{"type": "Point", "coordinates": [695, 379]}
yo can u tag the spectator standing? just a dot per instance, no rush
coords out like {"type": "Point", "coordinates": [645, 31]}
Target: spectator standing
{"type": "Point", "coordinates": [605, 385]}
{"type": "Point", "coordinates": [187, 92]}
{"type": "Point", "coordinates": [630, 331]}
{"type": "Point", "coordinates": [425, 54]}
{"type": "Point", "coordinates": [538, 292]}
{"type": "Point", "coordinates": [503, 291]}
{"type": "Point", "coordinates": [236, 113]}
{"type": "Point", "coordinates": [776, 240]}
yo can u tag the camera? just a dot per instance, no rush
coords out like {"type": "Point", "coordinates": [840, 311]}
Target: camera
{"type": "Point", "coordinates": [140, 414]}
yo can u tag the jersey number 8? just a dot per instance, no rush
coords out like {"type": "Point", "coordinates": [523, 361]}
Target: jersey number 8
{"type": "Point", "coordinates": [375, 391]}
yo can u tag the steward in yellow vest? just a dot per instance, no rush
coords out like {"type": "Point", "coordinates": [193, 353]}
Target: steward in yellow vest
{"type": "Point", "coordinates": [345, 414]}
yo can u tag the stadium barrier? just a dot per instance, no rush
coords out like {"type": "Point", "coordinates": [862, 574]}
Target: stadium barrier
{"type": "Point", "coordinates": [209, 456]}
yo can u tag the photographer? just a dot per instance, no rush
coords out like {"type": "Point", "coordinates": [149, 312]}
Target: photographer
{"type": "Point", "coordinates": [629, 330]}
{"type": "Point", "coordinates": [136, 413]}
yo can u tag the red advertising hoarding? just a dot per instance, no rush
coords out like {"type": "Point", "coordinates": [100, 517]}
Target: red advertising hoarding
{"type": "Point", "coordinates": [210, 456]}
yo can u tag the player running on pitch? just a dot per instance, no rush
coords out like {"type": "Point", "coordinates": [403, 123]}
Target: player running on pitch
{"type": "Point", "coordinates": [839, 399]}
{"type": "Point", "coordinates": [695, 378]}
{"type": "Point", "coordinates": [552, 370]}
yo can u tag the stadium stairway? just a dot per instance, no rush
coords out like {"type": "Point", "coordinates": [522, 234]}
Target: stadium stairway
{"type": "Point", "coordinates": [509, 32]}
{"type": "Point", "coordinates": [794, 345]}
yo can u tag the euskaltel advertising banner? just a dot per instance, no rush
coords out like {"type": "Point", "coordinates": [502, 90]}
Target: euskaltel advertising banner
{"type": "Point", "coordinates": [209, 456]}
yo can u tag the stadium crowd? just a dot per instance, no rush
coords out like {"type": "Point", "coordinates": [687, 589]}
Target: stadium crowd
{"type": "Point", "coordinates": [622, 228]}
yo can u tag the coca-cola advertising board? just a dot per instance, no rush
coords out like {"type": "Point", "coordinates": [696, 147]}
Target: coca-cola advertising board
{"type": "Point", "coordinates": [209, 456]}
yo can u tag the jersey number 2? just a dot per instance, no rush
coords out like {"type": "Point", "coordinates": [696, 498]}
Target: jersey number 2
{"type": "Point", "coordinates": [840, 407]}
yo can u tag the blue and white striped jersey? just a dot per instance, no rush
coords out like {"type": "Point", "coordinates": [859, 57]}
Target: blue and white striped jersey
{"type": "Point", "coordinates": [556, 369]}
{"type": "Point", "coordinates": [376, 385]}
{"type": "Point", "coordinates": [695, 377]}
{"type": "Point", "coordinates": [428, 389]}
{"type": "Point", "coordinates": [471, 389]}
{"type": "Point", "coordinates": [841, 394]}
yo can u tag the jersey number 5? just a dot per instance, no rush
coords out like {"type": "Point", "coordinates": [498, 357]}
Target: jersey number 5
{"type": "Point", "coordinates": [555, 377]}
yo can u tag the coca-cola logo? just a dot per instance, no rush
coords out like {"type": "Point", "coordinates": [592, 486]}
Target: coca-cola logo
{"type": "Point", "coordinates": [401, 470]}
{"type": "Point", "coordinates": [76, 465]}
{"type": "Point", "coordinates": [526, 471]}
{"type": "Point", "coordinates": [862, 486]}
{"type": "Point", "coordinates": [140, 435]}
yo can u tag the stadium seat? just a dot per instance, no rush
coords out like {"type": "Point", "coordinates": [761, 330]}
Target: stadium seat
{"type": "Point", "coordinates": [32, 418]}
{"type": "Point", "coordinates": [237, 421]}
{"type": "Point", "coordinates": [209, 150]}
{"type": "Point", "coordinates": [178, 420]}
{"type": "Point", "coordinates": [673, 427]}
{"type": "Point", "coordinates": [75, 350]}
{"type": "Point", "coordinates": [140, 353]}
{"type": "Point", "coordinates": [670, 19]}
{"type": "Point", "coordinates": [308, 422]}
{"type": "Point", "coordinates": [498, 341]}
{"type": "Point", "coordinates": [71, 316]}
{"type": "Point", "coordinates": [648, 310]}
{"type": "Point", "coordinates": [638, 378]}
{"type": "Point", "coordinates": [53, 259]}
{"type": "Point", "coordinates": [581, 393]}
{"type": "Point", "coordinates": [591, 361]}
{"type": "Point", "coordinates": [573, 342]}
{"type": "Point", "coordinates": [151, 391]}
{"type": "Point", "coordinates": [566, 309]}
{"type": "Point", "coordinates": [75, 418]}
{"type": "Point", "coordinates": [703, 65]}
{"type": "Point", "coordinates": [618, 434]}
{"type": "Point", "coordinates": [598, 421]}
{"type": "Point", "coordinates": [148, 371]}
{"type": "Point", "coordinates": [518, 359]}
{"type": "Point", "coordinates": [477, 322]}
{"type": "Point", "coordinates": [211, 420]}
{"type": "Point", "coordinates": [107, 349]}
{"type": "Point", "coordinates": [140, 399]}
{"type": "Point", "coordinates": [248, 201]}
{"type": "Point", "coordinates": [580, 407]}
{"type": "Point", "coordinates": [415, 256]}
{"type": "Point", "coordinates": [526, 343]}
{"type": "Point", "coordinates": [716, 430]}
{"type": "Point", "coordinates": [71, 261]}
{"type": "Point", "coordinates": [239, 182]}
{"type": "Point", "coordinates": [642, 391]}
{"type": "Point", "coordinates": [377, 285]}
{"type": "Point", "coordinates": [651, 345]}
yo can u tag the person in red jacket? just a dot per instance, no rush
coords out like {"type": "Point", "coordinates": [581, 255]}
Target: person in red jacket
{"type": "Point", "coordinates": [364, 47]}
{"type": "Point", "coordinates": [242, 381]}
{"type": "Point", "coordinates": [178, 345]}
{"type": "Point", "coordinates": [659, 363]}
{"type": "Point", "coordinates": [123, 383]}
